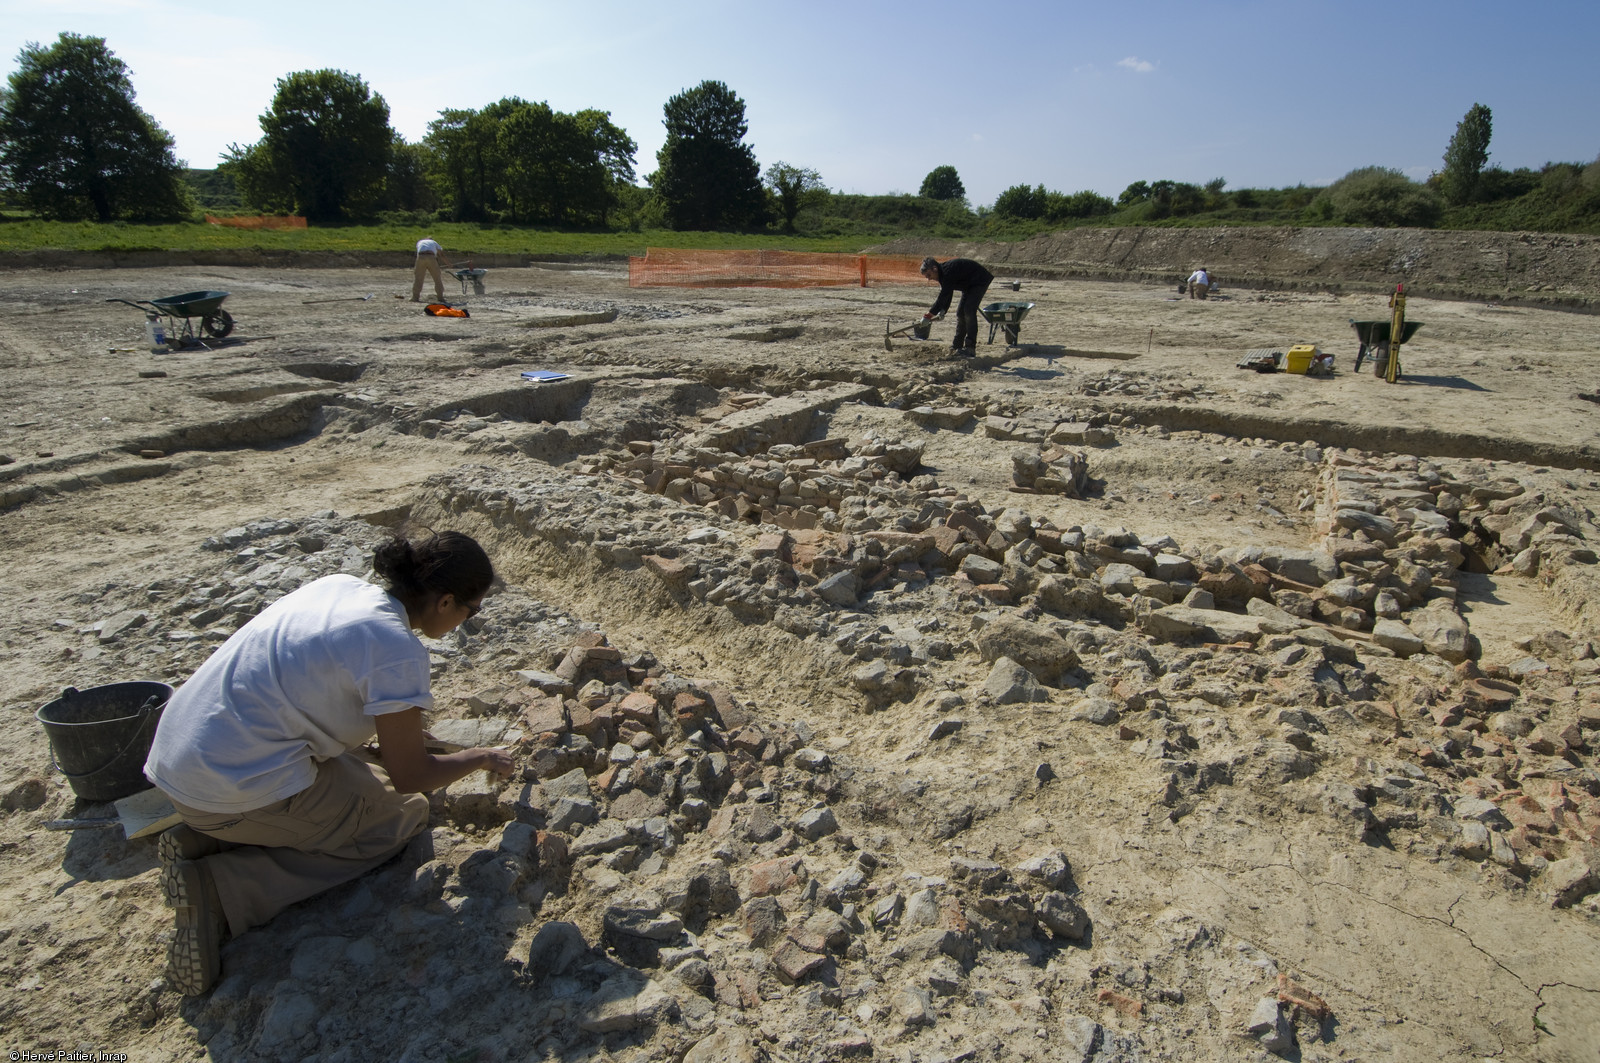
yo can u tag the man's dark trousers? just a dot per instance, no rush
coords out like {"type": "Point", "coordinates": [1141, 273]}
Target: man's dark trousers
{"type": "Point", "coordinates": [967, 317]}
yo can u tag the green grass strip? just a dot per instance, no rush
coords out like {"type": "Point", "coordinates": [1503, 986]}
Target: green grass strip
{"type": "Point", "coordinates": [460, 239]}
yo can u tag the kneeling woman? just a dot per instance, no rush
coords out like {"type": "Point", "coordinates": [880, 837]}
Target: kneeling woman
{"type": "Point", "coordinates": [260, 751]}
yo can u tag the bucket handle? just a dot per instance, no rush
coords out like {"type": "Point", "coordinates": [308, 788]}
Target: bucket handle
{"type": "Point", "coordinates": [154, 701]}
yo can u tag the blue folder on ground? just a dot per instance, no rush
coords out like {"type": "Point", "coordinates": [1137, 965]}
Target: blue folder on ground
{"type": "Point", "coordinates": [541, 376]}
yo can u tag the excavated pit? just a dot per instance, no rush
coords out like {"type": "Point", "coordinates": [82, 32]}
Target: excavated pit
{"type": "Point", "coordinates": [339, 372]}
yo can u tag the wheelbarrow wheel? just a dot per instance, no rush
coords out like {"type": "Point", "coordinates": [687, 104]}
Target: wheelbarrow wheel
{"type": "Point", "coordinates": [1012, 332]}
{"type": "Point", "coordinates": [217, 324]}
{"type": "Point", "coordinates": [1380, 361]}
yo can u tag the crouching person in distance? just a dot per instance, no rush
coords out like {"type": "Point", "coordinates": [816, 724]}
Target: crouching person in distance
{"type": "Point", "coordinates": [261, 750]}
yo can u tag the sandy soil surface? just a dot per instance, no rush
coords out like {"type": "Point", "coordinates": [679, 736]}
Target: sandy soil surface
{"type": "Point", "coordinates": [151, 483]}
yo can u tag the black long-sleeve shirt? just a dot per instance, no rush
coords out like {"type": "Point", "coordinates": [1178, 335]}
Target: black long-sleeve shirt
{"type": "Point", "coordinates": [958, 275]}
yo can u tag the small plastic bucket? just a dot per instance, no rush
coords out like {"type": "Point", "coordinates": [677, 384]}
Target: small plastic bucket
{"type": "Point", "coordinates": [155, 333]}
{"type": "Point", "coordinates": [100, 737]}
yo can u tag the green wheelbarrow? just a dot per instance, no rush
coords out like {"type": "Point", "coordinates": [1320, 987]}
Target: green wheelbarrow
{"type": "Point", "coordinates": [1006, 317]}
{"type": "Point", "coordinates": [1374, 337]}
{"type": "Point", "coordinates": [207, 306]}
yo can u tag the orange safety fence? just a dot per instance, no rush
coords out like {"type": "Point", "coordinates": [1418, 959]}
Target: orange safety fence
{"type": "Point", "coordinates": [669, 267]}
{"type": "Point", "coordinates": [257, 222]}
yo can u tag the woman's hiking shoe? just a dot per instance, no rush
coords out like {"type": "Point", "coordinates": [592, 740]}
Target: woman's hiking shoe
{"type": "Point", "coordinates": [194, 959]}
{"type": "Point", "coordinates": [183, 842]}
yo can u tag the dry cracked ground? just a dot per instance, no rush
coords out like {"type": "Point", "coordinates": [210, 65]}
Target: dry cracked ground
{"type": "Point", "coordinates": [1091, 699]}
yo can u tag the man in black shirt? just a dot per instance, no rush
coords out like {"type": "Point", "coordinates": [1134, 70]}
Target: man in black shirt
{"type": "Point", "coordinates": [971, 280]}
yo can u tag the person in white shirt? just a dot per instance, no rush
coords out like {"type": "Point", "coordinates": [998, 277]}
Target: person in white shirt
{"type": "Point", "coordinates": [262, 750]}
{"type": "Point", "coordinates": [1199, 284]}
{"type": "Point", "coordinates": [430, 256]}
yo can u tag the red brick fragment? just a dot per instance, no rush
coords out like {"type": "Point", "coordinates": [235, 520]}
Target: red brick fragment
{"type": "Point", "coordinates": [638, 707]}
{"type": "Point", "coordinates": [1292, 992]}
{"type": "Point", "coordinates": [544, 714]}
{"type": "Point", "coordinates": [690, 709]}
{"type": "Point", "coordinates": [961, 520]}
{"type": "Point", "coordinates": [1125, 1005]}
{"type": "Point", "coordinates": [773, 544]}
{"type": "Point", "coordinates": [775, 876]}
{"type": "Point", "coordinates": [794, 962]}
{"type": "Point", "coordinates": [738, 989]}
{"type": "Point", "coordinates": [669, 569]}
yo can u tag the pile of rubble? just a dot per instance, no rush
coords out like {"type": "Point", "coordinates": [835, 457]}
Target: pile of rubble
{"type": "Point", "coordinates": [1380, 586]}
{"type": "Point", "coordinates": [792, 486]}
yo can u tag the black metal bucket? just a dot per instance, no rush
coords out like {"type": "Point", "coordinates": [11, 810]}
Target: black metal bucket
{"type": "Point", "coordinates": [100, 737]}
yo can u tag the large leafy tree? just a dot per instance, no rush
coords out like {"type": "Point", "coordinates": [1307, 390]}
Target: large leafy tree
{"type": "Point", "coordinates": [943, 182]}
{"type": "Point", "coordinates": [616, 151]}
{"type": "Point", "coordinates": [553, 170]}
{"type": "Point", "coordinates": [1466, 155]}
{"type": "Point", "coordinates": [526, 162]}
{"type": "Point", "coordinates": [707, 177]}
{"type": "Point", "coordinates": [406, 186]}
{"type": "Point", "coordinates": [325, 147]}
{"type": "Point", "coordinates": [793, 187]}
{"type": "Point", "coordinates": [470, 157]}
{"type": "Point", "coordinates": [75, 145]}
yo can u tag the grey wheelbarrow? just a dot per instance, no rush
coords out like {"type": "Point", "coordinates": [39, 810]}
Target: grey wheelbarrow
{"type": "Point", "coordinates": [1006, 317]}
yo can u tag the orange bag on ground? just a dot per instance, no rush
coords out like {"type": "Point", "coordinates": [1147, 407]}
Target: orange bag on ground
{"type": "Point", "coordinates": [445, 310]}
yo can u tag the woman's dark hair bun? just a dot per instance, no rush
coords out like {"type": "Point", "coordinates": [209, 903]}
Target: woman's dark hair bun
{"type": "Point", "coordinates": [418, 568]}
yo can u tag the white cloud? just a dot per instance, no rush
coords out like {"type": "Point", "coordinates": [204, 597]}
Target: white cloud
{"type": "Point", "coordinates": [1137, 65]}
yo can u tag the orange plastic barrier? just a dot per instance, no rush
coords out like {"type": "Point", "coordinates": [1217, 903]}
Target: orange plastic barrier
{"type": "Point", "coordinates": [256, 222]}
{"type": "Point", "coordinates": [669, 267]}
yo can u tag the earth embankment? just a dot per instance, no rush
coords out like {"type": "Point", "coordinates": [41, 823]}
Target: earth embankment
{"type": "Point", "coordinates": [1553, 270]}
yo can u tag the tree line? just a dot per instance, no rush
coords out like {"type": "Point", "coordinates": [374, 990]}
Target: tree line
{"type": "Point", "coordinates": [1465, 193]}
{"type": "Point", "coordinates": [75, 145]}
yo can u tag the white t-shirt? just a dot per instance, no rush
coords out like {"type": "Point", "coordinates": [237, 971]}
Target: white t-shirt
{"type": "Point", "coordinates": [427, 246]}
{"type": "Point", "coordinates": [1199, 277]}
{"type": "Point", "coordinates": [298, 684]}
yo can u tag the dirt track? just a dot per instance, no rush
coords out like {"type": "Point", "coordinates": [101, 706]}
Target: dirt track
{"type": "Point", "coordinates": [325, 400]}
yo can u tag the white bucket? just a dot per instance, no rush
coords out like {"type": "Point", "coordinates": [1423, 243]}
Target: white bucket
{"type": "Point", "coordinates": [155, 333]}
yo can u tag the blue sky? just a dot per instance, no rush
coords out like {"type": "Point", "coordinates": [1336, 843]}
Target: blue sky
{"type": "Point", "coordinates": [874, 95]}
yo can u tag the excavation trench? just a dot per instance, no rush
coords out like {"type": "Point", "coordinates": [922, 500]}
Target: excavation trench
{"type": "Point", "coordinates": [1422, 441]}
